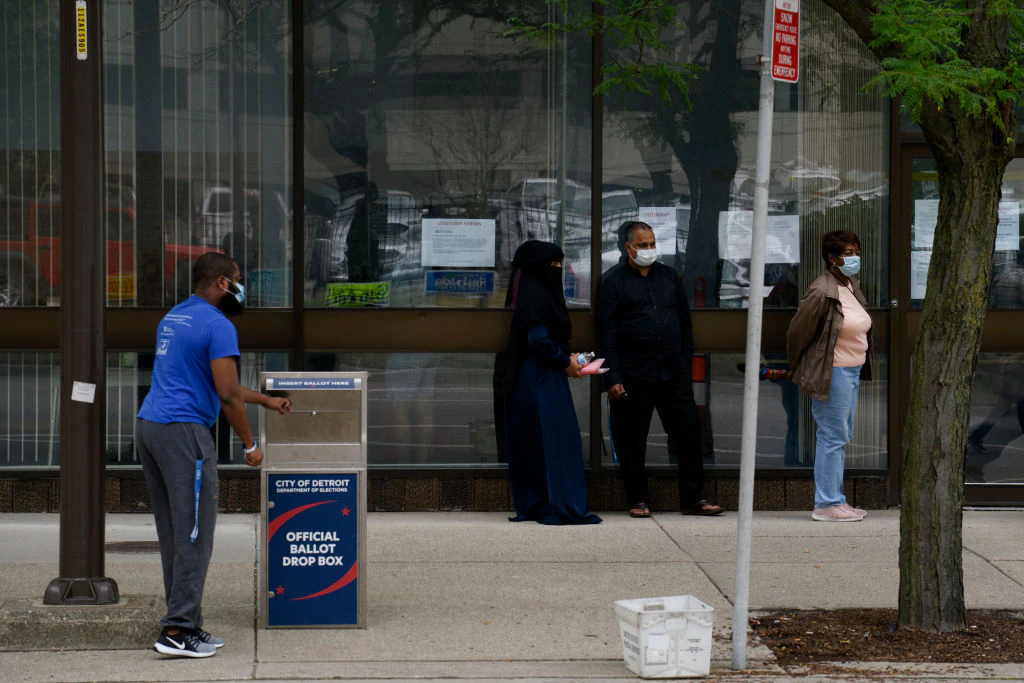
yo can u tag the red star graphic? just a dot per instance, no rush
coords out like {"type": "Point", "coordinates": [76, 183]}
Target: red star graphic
{"type": "Point", "coordinates": [345, 511]}
{"type": "Point", "coordinates": [279, 590]}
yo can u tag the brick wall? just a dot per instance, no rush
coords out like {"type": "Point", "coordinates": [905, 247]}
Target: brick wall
{"type": "Point", "coordinates": [127, 493]}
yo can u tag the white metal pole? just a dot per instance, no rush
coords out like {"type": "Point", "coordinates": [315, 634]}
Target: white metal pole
{"type": "Point", "coordinates": [755, 304]}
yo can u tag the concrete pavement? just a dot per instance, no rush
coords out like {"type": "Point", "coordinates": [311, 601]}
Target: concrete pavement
{"type": "Point", "coordinates": [470, 596]}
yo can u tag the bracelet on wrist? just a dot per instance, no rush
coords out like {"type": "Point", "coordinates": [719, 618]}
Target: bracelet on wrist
{"type": "Point", "coordinates": [247, 451]}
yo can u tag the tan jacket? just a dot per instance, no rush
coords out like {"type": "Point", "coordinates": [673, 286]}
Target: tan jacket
{"type": "Point", "coordinates": [812, 334]}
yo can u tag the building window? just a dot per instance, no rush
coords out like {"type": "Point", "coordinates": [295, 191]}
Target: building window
{"type": "Point", "coordinates": [434, 148]}
{"type": "Point", "coordinates": [689, 173]}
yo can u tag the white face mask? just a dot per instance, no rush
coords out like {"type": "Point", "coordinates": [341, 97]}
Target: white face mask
{"type": "Point", "coordinates": [851, 266]}
{"type": "Point", "coordinates": [239, 292]}
{"type": "Point", "coordinates": [645, 257]}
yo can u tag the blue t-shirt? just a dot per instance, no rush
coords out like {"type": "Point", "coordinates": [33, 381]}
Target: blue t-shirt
{"type": "Point", "coordinates": [191, 335]}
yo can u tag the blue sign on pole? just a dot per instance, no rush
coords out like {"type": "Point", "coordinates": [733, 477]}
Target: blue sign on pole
{"type": "Point", "coordinates": [312, 549]}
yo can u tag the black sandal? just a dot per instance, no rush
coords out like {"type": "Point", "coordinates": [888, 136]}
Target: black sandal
{"type": "Point", "coordinates": [640, 510]}
{"type": "Point", "coordinates": [703, 508]}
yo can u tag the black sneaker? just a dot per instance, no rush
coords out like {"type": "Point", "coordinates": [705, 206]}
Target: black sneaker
{"type": "Point", "coordinates": [209, 638]}
{"type": "Point", "coordinates": [184, 643]}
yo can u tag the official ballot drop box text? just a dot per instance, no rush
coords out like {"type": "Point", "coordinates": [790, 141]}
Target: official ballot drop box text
{"type": "Point", "coordinates": [313, 521]}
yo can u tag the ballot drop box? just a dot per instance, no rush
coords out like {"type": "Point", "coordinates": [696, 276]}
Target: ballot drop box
{"type": "Point", "coordinates": [313, 511]}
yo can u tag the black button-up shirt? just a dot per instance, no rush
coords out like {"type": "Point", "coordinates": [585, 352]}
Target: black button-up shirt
{"type": "Point", "coordinates": [643, 325]}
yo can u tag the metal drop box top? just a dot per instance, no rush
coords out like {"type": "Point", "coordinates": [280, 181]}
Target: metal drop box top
{"type": "Point", "coordinates": [327, 424]}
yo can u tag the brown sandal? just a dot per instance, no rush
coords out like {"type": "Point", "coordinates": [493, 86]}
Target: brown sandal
{"type": "Point", "coordinates": [640, 510]}
{"type": "Point", "coordinates": [703, 508]}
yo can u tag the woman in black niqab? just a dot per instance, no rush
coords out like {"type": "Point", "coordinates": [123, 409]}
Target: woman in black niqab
{"type": "Point", "coordinates": [543, 444]}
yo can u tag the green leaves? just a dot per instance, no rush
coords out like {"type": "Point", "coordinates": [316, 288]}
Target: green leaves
{"type": "Point", "coordinates": [635, 29]}
{"type": "Point", "coordinates": [951, 52]}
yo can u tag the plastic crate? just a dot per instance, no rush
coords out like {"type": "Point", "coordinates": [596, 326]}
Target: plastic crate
{"type": "Point", "coordinates": [666, 637]}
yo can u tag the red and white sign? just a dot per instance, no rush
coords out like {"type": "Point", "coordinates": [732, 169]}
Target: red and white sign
{"type": "Point", "coordinates": [786, 41]}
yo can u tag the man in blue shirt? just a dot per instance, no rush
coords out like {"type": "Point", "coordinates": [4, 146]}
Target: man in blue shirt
{"type": "Point", "coordinates": [195, 375]}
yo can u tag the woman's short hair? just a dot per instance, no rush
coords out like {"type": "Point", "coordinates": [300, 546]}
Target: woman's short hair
{"type": "Point", "coordinates": [834, 244]}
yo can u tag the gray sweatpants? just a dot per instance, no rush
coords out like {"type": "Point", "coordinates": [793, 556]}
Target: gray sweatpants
{"type": "Point", "coordinates": [169, 453]}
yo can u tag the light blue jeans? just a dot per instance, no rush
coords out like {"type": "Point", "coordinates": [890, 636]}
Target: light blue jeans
{"type": "Point", "coordinates": [834, 418]}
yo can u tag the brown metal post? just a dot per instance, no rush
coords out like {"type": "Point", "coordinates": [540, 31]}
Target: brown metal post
{"type": "Point", "coordinates": [83, 298]}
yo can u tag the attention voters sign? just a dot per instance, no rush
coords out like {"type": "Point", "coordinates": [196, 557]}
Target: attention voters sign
{"type": "Point", "coordinates": [312, 546]}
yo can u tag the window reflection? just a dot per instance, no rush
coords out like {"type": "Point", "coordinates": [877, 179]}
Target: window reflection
{"type": "Point", "coordinates": [198, 128]}
{"type": "Point", "coordinates": [434, 148]}
{"type": "Point", "coordinates": [995, 443]}
{"type": "Point", "coordinates": [691, 171]}
{"type": "Point", "coordinates": [30, 409]}
{"type": "Point", "coordinates": [785, 429]}
{"type": "Point", "coordinates": [1006, 289]}
{"type": "Point", "coordinates": [435, 409]}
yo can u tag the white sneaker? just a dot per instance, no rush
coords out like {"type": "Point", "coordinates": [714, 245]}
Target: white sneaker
{"type": "Point", "coordinates": [836, 513]}
{"type": "Point", "coordinates": [850, 508]}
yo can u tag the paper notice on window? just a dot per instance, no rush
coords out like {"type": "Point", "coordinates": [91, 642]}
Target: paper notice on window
{"type": "Point", "coordinates": [919, 261]}
{"type": "Point", "coordinates": [663, 220]}
{"type": "Point", "coordinates": [735, 231]}
{"type": "Point", "coordinates": [1008, 232]}
{"type": "Point", "coordinates": [458, 242]}
{"type": "Point", "coordinates": [926, 217]}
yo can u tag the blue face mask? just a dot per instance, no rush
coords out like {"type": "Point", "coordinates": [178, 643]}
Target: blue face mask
{"type": "Point", "coordinates": [851, 266]}
{"type": "Point", "coordinates": [240, 293]}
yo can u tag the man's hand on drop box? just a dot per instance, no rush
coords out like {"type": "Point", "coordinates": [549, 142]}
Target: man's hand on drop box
{"type": "Point", "coordinates": [254, 459]}
{"type": "Point", "coordinates": [281, 405]}
{"type": "Point", "coordinates": [278, 403]}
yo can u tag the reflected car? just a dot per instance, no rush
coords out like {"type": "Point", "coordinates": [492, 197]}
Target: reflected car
{"type": "Point", "coordinates": [367, 238]}
{"type": "Point", "coordinates": [30, 254]}
{"type": "Point", "coordinates": [530, 209]}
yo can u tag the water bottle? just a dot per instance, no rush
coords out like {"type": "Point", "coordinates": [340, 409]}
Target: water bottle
{"type": "Point", "coordinates": [771, 373]}
{"type": "Point", "coordinates": [585, 357]}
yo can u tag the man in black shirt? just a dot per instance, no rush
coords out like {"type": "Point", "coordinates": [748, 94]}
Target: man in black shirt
{"type": "Point", "coordinates": [645, 333]}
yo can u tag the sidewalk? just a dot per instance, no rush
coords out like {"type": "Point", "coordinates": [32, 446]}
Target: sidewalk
{"type": "Point", "coordinates": [470, 596]}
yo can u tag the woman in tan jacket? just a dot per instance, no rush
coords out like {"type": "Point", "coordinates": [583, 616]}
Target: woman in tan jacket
{"type": "Point", "coordinates": [829, 349]}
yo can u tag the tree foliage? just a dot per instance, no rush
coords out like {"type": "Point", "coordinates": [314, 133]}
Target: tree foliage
{"type": "Point", "coordinates": [634, 26]}
{"type": "Point", "coordinates": [926, 55]}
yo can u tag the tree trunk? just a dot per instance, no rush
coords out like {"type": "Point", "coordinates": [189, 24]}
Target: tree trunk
{"type": "Point", "coordinates": [971, 156]}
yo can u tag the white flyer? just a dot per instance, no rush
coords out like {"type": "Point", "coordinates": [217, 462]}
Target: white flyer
{"type": "Point", "coordinates": [735, 231]}
{"type": "Point", "coordinates": [926, 217]}
{"type": "Point", "coordinates": [919, 261]}
{"type": "Point", "coordinates": [663, 220]}
{"type": "Point", "coordinates": [458, 242]}
{"type": "Point", "coordinates": [1008, 232]}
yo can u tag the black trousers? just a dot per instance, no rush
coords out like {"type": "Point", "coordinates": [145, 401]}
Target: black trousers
{"type": "Point", "coordinates": [631, 423]}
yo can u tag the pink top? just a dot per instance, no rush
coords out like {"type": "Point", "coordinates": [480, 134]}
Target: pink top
{"type": "Point", "coordinates": [852, 344]}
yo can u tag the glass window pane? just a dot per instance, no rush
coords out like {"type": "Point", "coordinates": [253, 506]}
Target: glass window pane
{"type": "Point", "coordinates": [29, 153]}
{"type": "Point", "coordinates": [689, 173]}
{"type": "Point", "coordinates": [786, 429]}
{"type": "Point", "coordinates": [198, 135]}
{"type": "Point", "coordinates": [434, 147]}
{"type": "Point", "coordinates": [1007, 286]}
{"type": "Point", "coordinates": [995, 443]}
{"type": "Point", "coordinates": [436, 409]}
{"type": "Point", "coordinates": [29, 410]}
{"type": "Point", "coordinates": [129, 376]}
{"type": "Point", "coordinates": [30, 407]}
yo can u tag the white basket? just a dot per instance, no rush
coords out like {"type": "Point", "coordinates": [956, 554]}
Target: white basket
{"type": "Point", "coordinates": [666, 637]}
